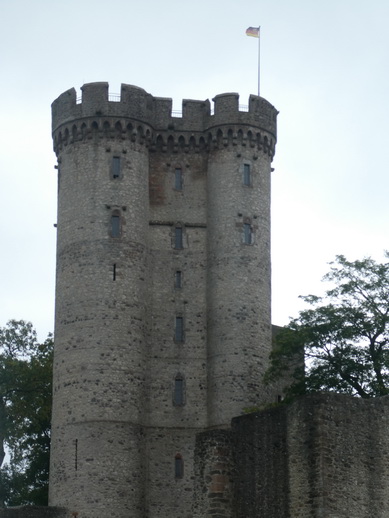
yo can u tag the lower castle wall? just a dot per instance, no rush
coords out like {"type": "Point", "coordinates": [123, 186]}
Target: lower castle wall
{"type": "Point", "coordinates": [33, 511]}
{"type": "Point", "coordinates": [97, 480]}
{"type": "Point", "coordinates": [214, 474]}
{"type": "Point", "coordinates": [323, 456]}
{"type": "Point", "coordinates": [168, 495]}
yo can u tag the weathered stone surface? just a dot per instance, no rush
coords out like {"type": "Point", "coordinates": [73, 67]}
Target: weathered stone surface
{"type": "Point", "coordinates": [33, 511]}
{"type": "Point", "coordinates": [117, 427]}
{"type": "Point", "coordinates": [130, 394]}
{"type": "Point", "coordinates": [214, 474]}
{"type": "Point", "coordinates": [325, 455]}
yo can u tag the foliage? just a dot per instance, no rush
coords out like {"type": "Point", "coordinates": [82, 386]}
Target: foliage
{"type": "Point", "coordinates": [25, 413]}
{"type": "Point", "coordinates": [344, 335]}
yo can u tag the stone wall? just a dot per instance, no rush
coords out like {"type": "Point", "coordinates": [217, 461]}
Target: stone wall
{"type": "Point", "coordinates": [214, 473]}
{"type": "Point", "coordinates": [131, 390]}
{"type": "Point", "coordinates": [33, 511]}
{"type": "Point", "coordinates": [324, 456]}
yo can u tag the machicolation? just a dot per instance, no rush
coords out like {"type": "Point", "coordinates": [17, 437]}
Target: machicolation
{"type": "Point", "coordinates": [149, 120]}
{"type": "Point", "coordinates": [143, 362]}
{"type": "Point", "coordinates": [163, 328]}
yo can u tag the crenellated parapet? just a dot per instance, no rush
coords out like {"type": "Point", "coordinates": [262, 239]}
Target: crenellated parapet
{"type": "Point", "coordinates": [163, 296]}
{"type": "Point", "coordinates": [138, 116]}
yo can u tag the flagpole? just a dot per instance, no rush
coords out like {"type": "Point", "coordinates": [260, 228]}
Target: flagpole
{"type": "Point", "coordinates": [255, 33]}
{"type": "Point", "coordinates": [259, 59]}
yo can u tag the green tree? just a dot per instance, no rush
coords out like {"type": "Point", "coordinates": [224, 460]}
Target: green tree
{"type": "Point", "coordinates": [25, 414]}
{"type": "Point", "coordinates": [344, 335]}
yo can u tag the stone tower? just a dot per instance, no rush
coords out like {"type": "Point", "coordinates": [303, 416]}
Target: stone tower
{"type": "Point", "coordinates": [163, 323]}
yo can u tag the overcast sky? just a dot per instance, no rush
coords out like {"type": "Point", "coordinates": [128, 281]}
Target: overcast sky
{"type": "Point", "coordinates": [324, 66]}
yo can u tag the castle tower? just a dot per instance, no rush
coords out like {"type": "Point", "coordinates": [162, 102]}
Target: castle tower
{"type": "Point", "coordinates": [163, 291]}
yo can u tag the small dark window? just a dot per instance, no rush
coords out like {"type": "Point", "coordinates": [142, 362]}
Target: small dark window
{"type": "Point", "coordinates": [75, 454]}
{"type": "Point", "coordinates": [179, 330]}
{"type": "Point", "coordinates": [178, 179]}
{"type": "Point", "coordinates": [178, 279]}
{"type": "Point", "coordinates": [247, 234]}
{"type": "Point", "coordinates": [246, 174]}
{"type": "Point", "coordinates": [178, 466]}
{"type": "Point", "coordinates": [178, 397]}
{"type": "Point", "coordinates": [115, 225]}
{"type": "Point", "coordinates": [114, 272]}
{"type": "Point", "coordinates": [178, 238]}
{"type": "Point", "coordinates": [115, 167]}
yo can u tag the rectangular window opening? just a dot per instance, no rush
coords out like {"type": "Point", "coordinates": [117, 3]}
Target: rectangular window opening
{"type": "Point", "coordinates": [247, 236]}
{"type": "Point", "coordinates": [178, 467]}
{"type": "Point", "coordinates": [178, 238]}
{"type": "Point", "coordinates": [76, 454]}
{"type": "Point", "coordinates": [114, 272]}
{"type": "Point", "coordinates": [116, 167]}
{"type": "Point", "coordinates": [178, 279]}
{"type": "Point", "coordinates": [178, 179]}
{"type": "Point", "coordinates": [179, 391]}
{"type": "Point", "coordinates": [115, 225]}
{"type": "Point", "coordinates": [179, 330]}
{"type": "Point", "coordinates": [246, 174]}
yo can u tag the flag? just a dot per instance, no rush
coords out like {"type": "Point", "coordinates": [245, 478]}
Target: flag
{"type": "Point", "coordinates": [253, 31]}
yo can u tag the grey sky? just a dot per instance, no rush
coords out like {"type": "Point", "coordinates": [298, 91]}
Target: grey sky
{"type": "Point", "coordinates": [324, 65]}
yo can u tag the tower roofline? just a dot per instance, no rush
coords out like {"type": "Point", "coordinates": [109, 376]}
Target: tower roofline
{"type": "Point", "coordinates": [136, 103]}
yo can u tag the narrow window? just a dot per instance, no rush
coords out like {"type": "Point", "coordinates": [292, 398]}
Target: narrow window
{"type": "Point", "coordinates": [179, 330]}
{"type": "Point", "coordinates": [178, 279]}
{"type": "Point", "coordinates": [178, 180]}
{"type": "Point", "coordinates": [246, 174]}
{"type": "Point", "coordinates": [115, 167]}
{"type": "Point", "coordinates": [178, 396]}
{"type": "Point", "coordinates": [178, 238]}
{"type": "Point", "coordinates": [178, 466]}
{"type": "Point", "coordinates": [247, 234]}
{"type": "Point", "coordinates": [75, 454]}
{"type": "Point", "coordinates": [114, 272]}
{"type": "Point", "coordinates": [115, 225]}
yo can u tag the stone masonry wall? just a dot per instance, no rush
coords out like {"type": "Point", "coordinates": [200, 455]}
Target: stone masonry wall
{"type": "Point", "coordinates": [130, 391]}
{"type": "Point", "coordinates": [214, 475]}
{"type": "Point", "coordinates": [324, 456]}
{"type": "Point", "coordinates": [33, 511]}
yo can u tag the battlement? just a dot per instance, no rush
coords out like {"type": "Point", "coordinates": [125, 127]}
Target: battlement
{"type": "Point", "coordinates": [136, 104]}
{"type": "Point", "coordinates": [162, 292]}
